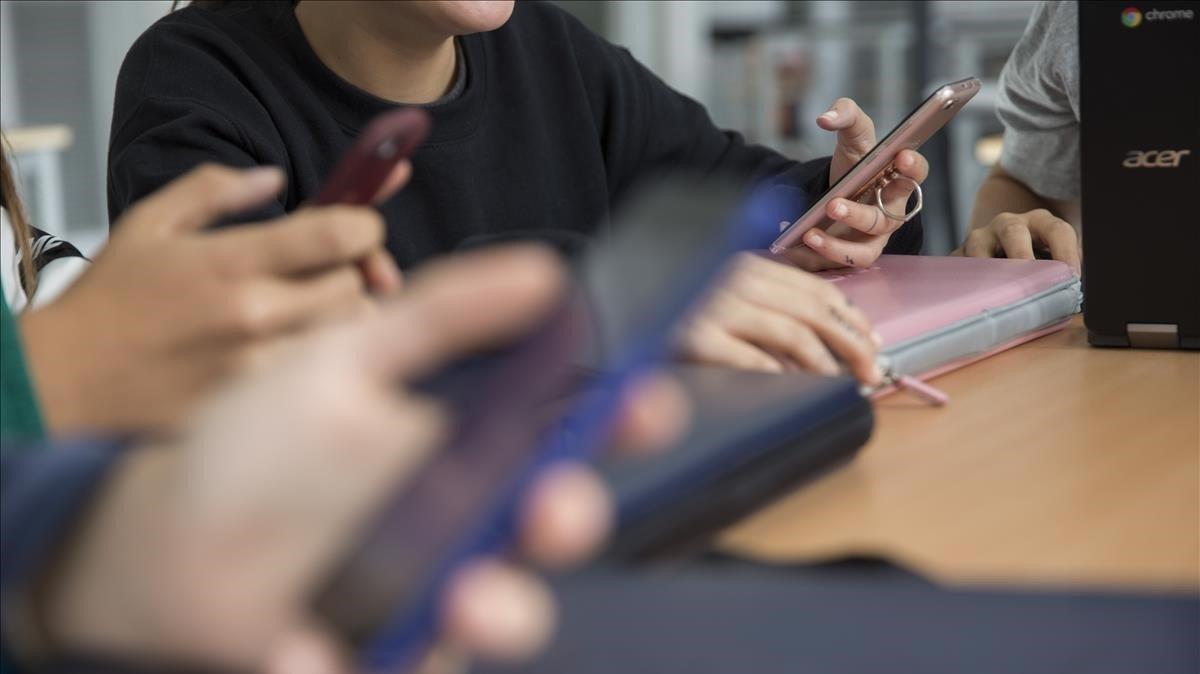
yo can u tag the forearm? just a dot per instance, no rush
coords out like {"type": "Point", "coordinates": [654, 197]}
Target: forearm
{"type": "Point", "coordinates": [47, 489]}
{"type": "Point", "coordinates": [1001, 193]}
{"type": "Point", "coordinates": [96, 597]}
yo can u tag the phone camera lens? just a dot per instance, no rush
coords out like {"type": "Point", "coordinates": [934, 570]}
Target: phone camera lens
{"type": "Point", "coordinates": [386, 151]}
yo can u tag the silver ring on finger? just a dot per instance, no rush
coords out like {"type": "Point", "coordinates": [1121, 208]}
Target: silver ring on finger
{"type": "Point", "coordinates": [916, 190]}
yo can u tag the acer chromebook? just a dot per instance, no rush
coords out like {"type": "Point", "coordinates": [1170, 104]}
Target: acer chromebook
{"type": "Point", "coordinates": [1140, 152]}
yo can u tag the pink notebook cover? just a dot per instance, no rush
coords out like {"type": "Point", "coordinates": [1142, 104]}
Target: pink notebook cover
{"type": "Point", "coordinates": [906, 296]}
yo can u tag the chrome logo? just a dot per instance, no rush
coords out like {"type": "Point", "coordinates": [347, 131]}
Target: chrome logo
{"type": "Point", "coordinates": [1131, 17]}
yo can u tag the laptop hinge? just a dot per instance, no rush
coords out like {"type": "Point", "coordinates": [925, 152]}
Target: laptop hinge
{"type": "Point", "coordinates": [1153, 335]}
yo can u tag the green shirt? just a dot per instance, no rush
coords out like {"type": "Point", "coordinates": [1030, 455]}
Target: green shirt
{"type": "Point", "coordinates": [19, 415]}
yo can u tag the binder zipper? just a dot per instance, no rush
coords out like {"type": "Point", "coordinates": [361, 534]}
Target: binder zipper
{"type": "Point", "coordinates": [913, 386]}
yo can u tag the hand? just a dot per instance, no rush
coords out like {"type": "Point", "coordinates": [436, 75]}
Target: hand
{"type": "Point", "coordinates": [208, 549]}
{"type": "Point", "coordinates": [1016, 235]}
{"type": "Point", "coordinates": [769, 316]}
{"type": "Point", "coordinates": [167, 310]}
{"type": "Point", "coordinates": [860, 231]}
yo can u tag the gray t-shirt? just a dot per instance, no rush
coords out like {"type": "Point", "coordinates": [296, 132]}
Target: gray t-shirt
{"type": "Point", "coordinates": [1038, 103]}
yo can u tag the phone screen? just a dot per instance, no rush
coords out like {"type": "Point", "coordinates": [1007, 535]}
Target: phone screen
{"type": "Point", "coordinates": [518, 409]}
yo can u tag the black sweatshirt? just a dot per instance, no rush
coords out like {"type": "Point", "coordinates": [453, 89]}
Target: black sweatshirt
{"type": "Point", "coordinates": [552, 128]}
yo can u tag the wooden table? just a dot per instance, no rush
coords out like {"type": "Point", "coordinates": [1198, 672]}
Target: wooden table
{"type": "Point", "coordinates": [1054, 463]}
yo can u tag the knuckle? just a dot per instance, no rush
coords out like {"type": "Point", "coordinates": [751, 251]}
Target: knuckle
{"type": "Point", "coordinates": [747, 285]}
{"type": "Point", "coordinates": [856, 315]}
{"type": "Point", "coordinates": [780, 329]}
{"type": "Point", "coordinates": [336, 238]}
{"type": "Point", "coordinates": [1062, 226]}
{"type": "Point", "coordinates": [1012, 227]}
{"type": "Point", "coordinates": [978, 236]}
{"type": "Point", "coordinates": [248, 313]}
{"type": "Point", "coordinates": [829, 293]}
{"type": "Point", "coordinates": [745, 268]}
{"type": "Point", "coordinates": [808, 348]}
{"type": "Point", "coordinates": [350, 283]}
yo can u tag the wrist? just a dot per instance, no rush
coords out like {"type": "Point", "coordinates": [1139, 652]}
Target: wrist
{"type": "Point", "coordinates": [57, 368]}
{"type": "Point", "coordinates": [103, 595]}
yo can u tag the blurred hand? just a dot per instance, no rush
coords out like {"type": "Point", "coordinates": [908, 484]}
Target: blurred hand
{"type": "Point", "coordinates": [769, 316]}
{"type": "Point", "coordinates": [860, 231]}
{"type": "Point", "coordinates": [207, 549]}
{"type": "Point", "coordinates": [168, 309]}
{"type": "Point", "coordinates": [1017, 235]}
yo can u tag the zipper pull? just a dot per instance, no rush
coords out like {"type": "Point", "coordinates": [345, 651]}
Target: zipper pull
{"type": "Point", "coordinates": [912, 385]}
{"type": "Point", "coordinates": [920, 389]}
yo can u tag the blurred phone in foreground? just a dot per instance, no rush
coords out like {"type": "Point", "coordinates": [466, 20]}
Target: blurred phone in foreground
{"type": "Point", "coordinates": [389, 139]}
{"type": "Point", "coordinates": [512, 418]}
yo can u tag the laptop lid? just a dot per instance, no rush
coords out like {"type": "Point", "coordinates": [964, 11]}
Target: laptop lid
{"type": "Point", "coordinates": [1140, 160]}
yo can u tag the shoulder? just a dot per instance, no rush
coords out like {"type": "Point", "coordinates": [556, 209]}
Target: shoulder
{"type": "Point", "coordinates": [1043, 67]}
{"type": "Point", "coordinates": [196, 51]}
{"type": "Point", "coordinates": [213, 66]}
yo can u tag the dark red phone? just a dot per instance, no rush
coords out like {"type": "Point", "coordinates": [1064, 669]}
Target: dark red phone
{"type": "Point", "coordinates": [363, 171]}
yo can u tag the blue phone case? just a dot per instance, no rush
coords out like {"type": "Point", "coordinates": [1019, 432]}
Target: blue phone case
{"type": "Point", "coordinates": [669, 246]}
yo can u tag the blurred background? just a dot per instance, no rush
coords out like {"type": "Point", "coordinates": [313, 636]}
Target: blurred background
{"type": "Point", "coordinates": [765, 68]}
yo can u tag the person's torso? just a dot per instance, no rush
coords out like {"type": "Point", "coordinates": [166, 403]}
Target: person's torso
{"type": "Point", "coordinates": [518, 154]}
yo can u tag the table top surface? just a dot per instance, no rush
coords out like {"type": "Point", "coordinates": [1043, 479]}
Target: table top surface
{"type": "Point", "coordinates": [1054, 463]}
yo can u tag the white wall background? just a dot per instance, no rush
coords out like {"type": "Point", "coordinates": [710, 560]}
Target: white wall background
{"type": "Point", "coordinates": [58, 65]}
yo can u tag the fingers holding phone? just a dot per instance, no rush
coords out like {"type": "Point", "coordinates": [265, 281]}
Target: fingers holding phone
{"type": "Point", "coordinates": [870, 184]}
{"type": "Point", "coordinates": [259, 456]}
{"type": "Point", "coordinates": [868, 218]}
{"type": "Point", "coordinates": [861, 230]}
{"type": "Point", "coordinates": [855, 135]}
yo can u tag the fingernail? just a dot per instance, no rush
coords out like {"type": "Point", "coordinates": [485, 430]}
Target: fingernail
{"type": "Point", "coordinates": [877, 338]}
{"type": "Point", "coordinates": [814, 239]}
{"type": "Point", "coordinates": [830, 114]}
{"type": "Point", "coordinates": [840, 210]}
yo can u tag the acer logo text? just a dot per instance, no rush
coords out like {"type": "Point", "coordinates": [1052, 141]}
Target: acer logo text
{"type": "Point", "coordinates": [1154, 158]}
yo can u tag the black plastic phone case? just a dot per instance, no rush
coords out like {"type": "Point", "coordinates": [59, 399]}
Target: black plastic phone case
{"type": "Point", "coordinates": [754, 436]}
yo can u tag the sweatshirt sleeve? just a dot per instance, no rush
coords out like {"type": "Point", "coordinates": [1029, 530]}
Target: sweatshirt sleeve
{"type": "Point", "coordinates": [162, 131]}
{"type": "Point", "coordinates": [650, 127]}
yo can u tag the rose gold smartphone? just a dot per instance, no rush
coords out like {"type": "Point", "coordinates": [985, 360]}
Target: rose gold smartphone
{"type": "Point", "coordinates": [875, 169]}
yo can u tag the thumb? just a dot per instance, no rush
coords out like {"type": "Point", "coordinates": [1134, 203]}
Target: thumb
{"type": "Point", "coordinates": [397, 179]}
{"type": "Point", "coordinates": [855, 134]}
{"type": "Point", "coordinates": [203, 196]}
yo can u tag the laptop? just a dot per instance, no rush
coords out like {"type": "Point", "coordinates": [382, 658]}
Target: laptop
{"type": "Point", "coordinates": [1140, 152]}
{"type": "Point", "coordinates": [936, 314]}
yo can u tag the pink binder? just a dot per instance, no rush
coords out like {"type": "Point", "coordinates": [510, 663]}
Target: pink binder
{"type": "Point", "coordinates": [937, 314]}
